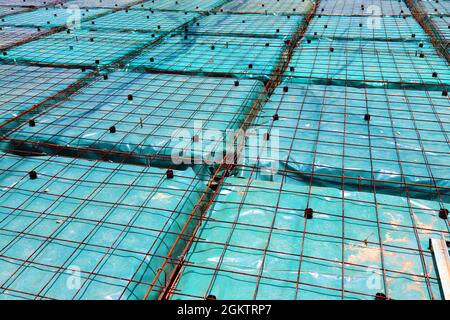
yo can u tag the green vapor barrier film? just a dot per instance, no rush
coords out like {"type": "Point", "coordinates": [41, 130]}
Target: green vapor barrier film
{"type": "Point", "coordinates": [185, 5]}
{"type": "Point", "coordinates": [10, 36]}
{"type": "Point", "coordinates": [362, 8]}
{"type": "Point", "coordinates": [23, 87]}
{"type": "Point", "coordinates": [113, 4]}
{"type": "Point", "coordinates": [155, 116]}
{"type": "Point", "coordinates": [229, 56]}
{"type": "Point", "coordinates": [434, 7]}
{"type": "Point", "coordinates": [140, 20]}
{"type": "Point", "coordinates": [79, 48]}
{"type": "Point", "coordinates": [11, 10]}
{"type": "Point", "coordinates": [290, 7]}
{"type": "Point", "coordinates": [255, 238]}
{"type": "Point", "coordinates": [50, 17]}
{"type": "Point", "coordinates": [87, 230]}
{"type": "Point", "coordinates": [248, 25]}
{"type": "Point", "coordinates": [323, 130]}
{"type": "Point", "coordinates": [369, 64]}
{"type": "Point", "coordinates": [359, 27]}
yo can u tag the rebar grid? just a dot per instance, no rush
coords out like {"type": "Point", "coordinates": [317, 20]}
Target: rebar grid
{"type": "Point", "coordinates": [286, 7]}
{"type": "Point", "coordinates": [362, 8]}
{"type": "Point", "coordinates": [153, 116]}
{"type": "Point", "coordinates": [142, 21]}
{"type": "Point", "coordinates": [397, 28]}
{"type": "Point", "coordinates": [112, 214]}
{"type": "Point", "coordinates": [361, 184]}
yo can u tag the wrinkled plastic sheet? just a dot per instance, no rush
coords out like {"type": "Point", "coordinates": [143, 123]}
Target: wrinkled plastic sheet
{"type": "Point", "coordinates": [359, 27]}
{"type": "Point", "coordinates": [304, 258]}
{"type": "Point", "coordinates": [269, 7]}
{"type": "Point", "coordinates": [363, 8]}
{"type": "Point", "coordinates": [322, 130]}
{"type": "Point", "coordinates": [434, 7]}
{"type": "Point", "coordinates": [185, 5]}
{"type": "Point", "coordinates": [80, 48]}
{"type": "Point", "coordinates": [10, 36]}
{"type": "Point", "coordinates": [158, 124]}
{"type": "Point", "coordinates": [49, 17]}
{"type": "Point", "coordinates": [22, 87]}
{"type": "Point", "coordinates": [369, 64]}
{"type": "Point", "coordinates": [28, 3]}
{"type": "Point", "coordinates": [11, 10]}
{"type": "Point", "coordinates": [442, 24]}
{"type": "Point", "coordinates": [141, 20]}
{"type": "Point", "coordinates": [113, 4]}
{"type": "Point", "coordinates": [249, 25]}
{"type": "Point", "coordinates": [107, 225]}
{"type": "Point", "coordinates": [213, 55]}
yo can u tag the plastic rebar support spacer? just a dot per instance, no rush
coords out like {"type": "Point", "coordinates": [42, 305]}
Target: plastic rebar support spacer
{"type": "Point", "coordinates": [32, 175]}
{"type": "Point", "coordinates": [309, 213]}
{"type": "Point", "coordinates": [380, 296]}
{"type": "Point", "coordinates": [443, 213]}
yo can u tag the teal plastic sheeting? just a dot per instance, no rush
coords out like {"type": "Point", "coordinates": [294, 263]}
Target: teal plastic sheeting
{"type": "Point", "coordinates": [49, 17]}
{"type": "Point", "coordinates": [248, 25]}
{"type": "Point", "coordinates": [23, 87]}
{"type": "Point", "coordinates": [443, 26]}
{"type": "Point", "coordinates": [363, 8]}
{"type": "Point", "coordinates": [322, 130]}
{"type": "Point", "coordinates": [360, 27]}
{"type": "Point", "coordinates": [141, 20]}
{"type": "Point", "coordinates": [11, 10]}
{"type": "Point", "coordinates": [185, 5]}
{"type": "Point", "coordinates": [28, 3]}
{"type": "Point", "coordinates": [290, 7]}
{"type": "Point", "coordinates": [87, 230]}
{"type": "Point", "coordinates": [158, 124]}
{"type": "Point", "coordinates": [100, 3]}
{"type": "Point", "coordinates": [236, 56]}
{"type": "Point", "coordinates": [10, 36]}
{"type": "Point", "coordinates": [255, 238]}
{"type": "Point", "coordinates": [369, 64]}
{"type": "Point", "coordinates": [79, 48]}
{"type": "Point", "coordinates": [434, 7]}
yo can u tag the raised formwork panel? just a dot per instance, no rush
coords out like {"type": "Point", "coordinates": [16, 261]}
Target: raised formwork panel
{"type": "Point", "coordinates": [10, 36]}
{"type": "Point", "coordinates": [433, 7]}
{"type": "Point", "coordinates": [369, 64]}
{"type": "Point", "coordinates": [79, 48]}
{"type": "Point", "coordinates": [185, 5]}
{"type": "Point", "coordinates": [358, 27]}
{"type": "Point", "coordinates": [443, 26]}
{"type": "Point", "coordinates": [11, 10]}
{"type": "Point", "coordinates": [112, 4]}
{"type": "Point", "coordinates": [50, 17]}
{"type": "Point", "coordinates": [282, 241]}
{"type": "Point", "coordinates": [363, 8]}
{"type": "Point", "coordinates": [290, 7]}
{"type": "Point", "coordinates": [365, 136]}
{"type": "Point", "coordinates": [140, 20]}
{"type": "Point", "coordinates": [109, 225]}
{"type": "Point", "coordinates": [219, 55]}
{"type": "Point", "coordinates": [23, 87]}
{"type": "Point", "coordinates": [29, 3]}
{"type": "Point", "coordinates": [152, 118]}
{"type": "Point", "coordinates": [254, 25]}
